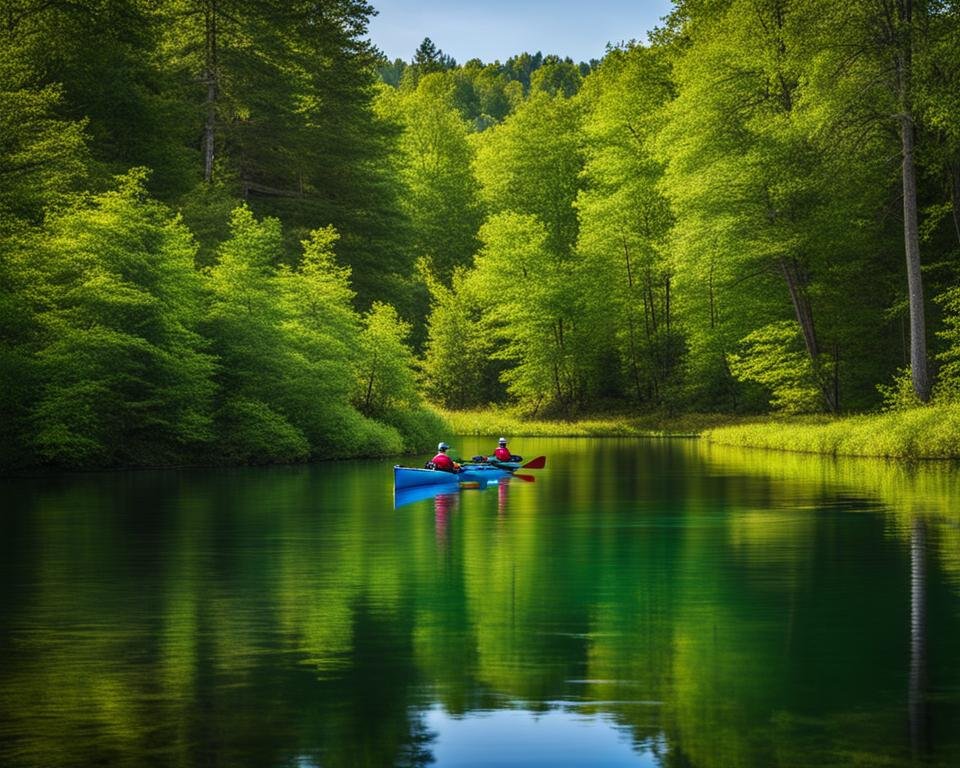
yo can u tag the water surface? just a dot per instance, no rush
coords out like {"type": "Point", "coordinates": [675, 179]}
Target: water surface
{"type": "Point", "coordinates": [641, 603]}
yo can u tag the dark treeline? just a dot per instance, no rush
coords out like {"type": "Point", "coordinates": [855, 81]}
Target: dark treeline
{"type": "Point", "coordinates": [234, 231]}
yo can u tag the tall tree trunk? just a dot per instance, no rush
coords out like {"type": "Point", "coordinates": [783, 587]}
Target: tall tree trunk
{"type": "Point", "coordinates": [804, 315]}
{"type": "Point", "coordinates": [911, 233]}
{"type": "Point", "coordinates": [213, 91]}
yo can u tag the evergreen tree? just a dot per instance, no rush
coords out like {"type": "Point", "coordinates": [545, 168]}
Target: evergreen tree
{"type": "Point", "coordinates": [282, 95]}
{"type": "Point", "coordinates": [428, 58]}
{"type": "Point", "coordinates": [101, 56]}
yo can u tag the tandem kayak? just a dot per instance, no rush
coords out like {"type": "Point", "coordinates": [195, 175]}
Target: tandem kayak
{"type": "Point", "coordinates": [511, 466]}
{"type": "Point", "coordinates": [412, 477]}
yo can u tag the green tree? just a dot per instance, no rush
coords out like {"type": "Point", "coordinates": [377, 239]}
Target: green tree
{"type": "Point", "coordinates": [625, 220]}
{"type": "Point", "coordinates": [321, 333]}
{"type": "Point", "coordinates": [42, 156]}
{"type": "Point", "coordinates": [243, 322]}
{"type": "Point", "coordinates": [386, 384]}
{"type": "Point", "coordinates": [441, 193]}
{"type": "Point", "coordinates": [890, 73]}
{"type": "Point", "coordinates": [531, 164]}
{"type": "Point", "coordinates": [428, 59]}
{"type": "Point", "coordinates": [43, 160]}
{"type": "Point", "coordinates": [126, 377]}
{"type": "Point", "coordinates": [386, 378]}
{"type": "Point", "coordinates": [760, 196]}
{"type": "Point", "coordinates": [103, 58]}
{"type": "Point", "coordinates": [458, 367]}
{"type": "Point", "coordinates": [532, 300]}
{"type": "Point", "coordinates": [556, 76]}
{"type": "Point", "coordinates": [773, 357]}
{"type": "Point", "coordinates": [282, 94]}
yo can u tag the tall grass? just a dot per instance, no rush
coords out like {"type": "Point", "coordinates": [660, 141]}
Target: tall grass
{"type": "Point", "coordinates": [926, 432]}
{"type": "Point", "coordinates": [497, 421]}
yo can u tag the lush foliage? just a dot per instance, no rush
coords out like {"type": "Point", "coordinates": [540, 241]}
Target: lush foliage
{"type": "Point", "coordinates": [713, 222]}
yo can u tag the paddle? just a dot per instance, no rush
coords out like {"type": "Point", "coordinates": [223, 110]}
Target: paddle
{"type": "Point", "coordinates": [538, 463]}
{"type": "Point", "coordinates": [525, 478]}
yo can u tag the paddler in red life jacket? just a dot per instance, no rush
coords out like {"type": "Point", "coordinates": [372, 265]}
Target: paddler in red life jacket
{"type": "Point", "coordinates": [502, 453]}
{"type": "Point", "coordinates": [443, 462]}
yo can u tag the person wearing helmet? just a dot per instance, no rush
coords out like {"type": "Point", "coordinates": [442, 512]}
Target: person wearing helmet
{"type": "Point", "coordinates": [502, 453]}
{"type": "Point", "coordinates": [443, 462]}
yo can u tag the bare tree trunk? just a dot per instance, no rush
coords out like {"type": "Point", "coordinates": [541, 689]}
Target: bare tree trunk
{"type": "Point", "coordinates": [804, 315]}
{"type": "Point", "coordinates": [911, 234]}
{"type": "Point", "coordinates": [213, 91]}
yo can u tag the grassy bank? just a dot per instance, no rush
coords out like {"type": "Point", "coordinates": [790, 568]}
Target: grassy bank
{"type": "Point", "coordinates": [930, 432]}
{"type": "Point", "coordinates": [497, 421]}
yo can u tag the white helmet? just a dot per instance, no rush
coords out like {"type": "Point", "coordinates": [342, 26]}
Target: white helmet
{"type": "Point", "coordinates": [503, 441]}
{"type": "Point", "coordinates": [443, 447]}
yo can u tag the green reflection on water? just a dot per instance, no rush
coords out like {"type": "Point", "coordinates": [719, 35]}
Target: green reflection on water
{"type": "Point", "coordinates": [720, 607]}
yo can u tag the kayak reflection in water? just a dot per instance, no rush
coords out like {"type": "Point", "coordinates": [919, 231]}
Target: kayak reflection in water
{"type": "Point", "coordinates": [443, 462]}
{"type": "Point", "coordinates": [502, 489]}
{"type": "Point", "coordinates": [444, 504]}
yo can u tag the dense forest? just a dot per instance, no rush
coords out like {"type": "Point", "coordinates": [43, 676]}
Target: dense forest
{"type": "Point", "coordinates": [235, 232]}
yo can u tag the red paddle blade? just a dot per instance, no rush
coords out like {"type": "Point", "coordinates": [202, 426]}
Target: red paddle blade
{"type": "Point", "coordinates": [538, 463]}
{"type": "Point", "coordinates": [525, 478]}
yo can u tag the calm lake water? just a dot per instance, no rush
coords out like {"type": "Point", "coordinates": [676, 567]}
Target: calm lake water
{"type": "Point", "coordinates": [642, 603]}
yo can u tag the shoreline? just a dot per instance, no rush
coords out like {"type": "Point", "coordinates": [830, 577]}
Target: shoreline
{"type": "Point", "coordinates": [927, 433]}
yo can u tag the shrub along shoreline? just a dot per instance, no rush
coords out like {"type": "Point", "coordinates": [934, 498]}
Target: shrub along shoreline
{"type": "Point", "coordinates": [927, 432]}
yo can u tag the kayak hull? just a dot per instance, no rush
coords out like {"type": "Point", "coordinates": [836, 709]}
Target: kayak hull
{"type": "Point", "coordinates": [414, 477]}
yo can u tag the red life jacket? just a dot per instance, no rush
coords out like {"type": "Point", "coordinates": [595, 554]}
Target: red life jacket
{"type": "Point", "coordinates": [444, 462]}
{"type": "Point", "coordinates": [502, 453]}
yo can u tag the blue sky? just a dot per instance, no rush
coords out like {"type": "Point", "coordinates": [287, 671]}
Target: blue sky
{"type": "Point", "coordinates": [498, 29]}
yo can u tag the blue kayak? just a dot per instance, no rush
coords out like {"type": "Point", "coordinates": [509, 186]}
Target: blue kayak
{"type": "Point", "coordinates": [412, 477]}
{"type": "Point", "coordinates": [516, 463]}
